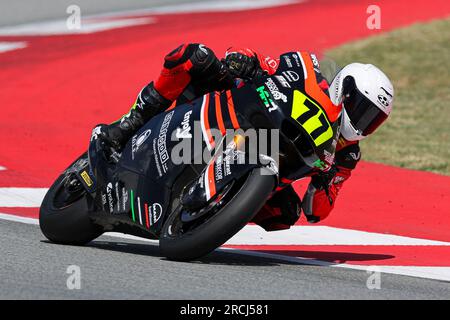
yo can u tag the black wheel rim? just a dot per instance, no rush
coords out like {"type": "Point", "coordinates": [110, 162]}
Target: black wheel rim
{"type": "Point", "coordinates": [67, 193]}
{"type": "Point", "coordinates": [177, 228]}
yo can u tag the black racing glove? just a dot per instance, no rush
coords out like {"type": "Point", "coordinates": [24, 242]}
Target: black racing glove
{"type": "Point", "coordinates": [322, 180]}
{"type": "Point", "coordinates": [117, 134]}
{"type": "Point", "coordinates": [288, 203]}
{"type": "Point", "coordinates": [106, 142]}
{"type": "Point", "coordinates": [242, 66]}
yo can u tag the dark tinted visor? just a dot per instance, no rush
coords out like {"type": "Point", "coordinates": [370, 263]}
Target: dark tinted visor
{"type": "Point", "coordinates": [364, 115]}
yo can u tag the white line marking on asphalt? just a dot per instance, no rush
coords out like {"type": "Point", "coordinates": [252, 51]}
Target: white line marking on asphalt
{"type": "Point", "coordinates": [59, 27]}
{"type": "Point", "coordinates": [322, 235]}
{"type": "Point", "coordinates": [10, 217]}
{"type": "Point", "coordinates": [9, 46]}
{"type": "Point", "coordinates": [22, 197]}
{"type": "Point", "coordinates": [435, 273]}
{"type": "Point", "coordinates": [255, 235]}
{"type": "Point", "coordinates": [222, 5]}
{"type": "Point", "coordinates": [202, 6]}
{"type": "Point", "coordinates": [120, 19]}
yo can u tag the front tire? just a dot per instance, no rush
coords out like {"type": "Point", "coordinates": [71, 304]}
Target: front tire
{"type": "Point", "coordinates": [214, 232]}
{"type": "Point", "coordinates": [67, 223]}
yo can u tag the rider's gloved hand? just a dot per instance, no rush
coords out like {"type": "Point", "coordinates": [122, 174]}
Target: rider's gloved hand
{"type": "Point", "coordinates": [323, 178]}
{"type": "Point", "coordinates": [108, 145]}
{"type": "Point", "coordinates": [320, 197]}
{"type": "Point", "coordinates": [280, 212]}
{"type": "Point", "coordinates": [242, 66]}
{"type": "Point", "coordinates": [118, 133]}
{"type": "Point", "coordinates": [112, 136]}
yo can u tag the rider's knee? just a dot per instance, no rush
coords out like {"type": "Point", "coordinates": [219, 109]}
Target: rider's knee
{"type": "Point", "coordinates": [197, 54]}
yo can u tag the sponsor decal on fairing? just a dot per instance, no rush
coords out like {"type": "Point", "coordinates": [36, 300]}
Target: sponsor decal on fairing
{"type": "Point", "coordinates": [297, 59]}
{"type": "Point", "coordinates": [288, 61]}
{"type": "Point", "coordinates": [268, 102]}
{"type": "Point", "coordinates": [109, 188]}
{"type": "Point", "coordinates": [185, 131]}
{"type": "Point", "coordinates": [277, 95]}
{"type": "Point", "coordinates": [95, 133]}
{"type": "Point", "coordinates": [315, 62]}
{"type": "Point", "coordinates": [137, 141]}
{"type": "Point", "coordinates": [291, 76]}
{"type": "Point", "coordinates": [282, 80]}
{"type": "Point", "coordinates": [160, 146]}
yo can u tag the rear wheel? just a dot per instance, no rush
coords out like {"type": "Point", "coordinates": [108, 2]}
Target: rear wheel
{"type": "Point", "coordinates": [239, 203]}
{"type": "Point", "coordinates": [63, 216]}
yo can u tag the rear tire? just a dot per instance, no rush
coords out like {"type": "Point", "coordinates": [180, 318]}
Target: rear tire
{"type": "Point", "coordinates": [235, 214]}
{"type": "Point", "coordinates": [70, 224]}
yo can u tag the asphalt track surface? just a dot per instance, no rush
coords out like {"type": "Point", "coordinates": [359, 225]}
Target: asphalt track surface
{"type": "Point", "coordinates": [26, 11]}
{"type": "Point", "coordinates": [33, 268]}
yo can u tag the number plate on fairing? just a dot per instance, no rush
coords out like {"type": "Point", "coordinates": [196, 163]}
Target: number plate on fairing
{"type": "Point", "coordinates": [311, 117]}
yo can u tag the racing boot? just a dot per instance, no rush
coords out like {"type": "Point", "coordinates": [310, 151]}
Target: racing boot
{"type": "Point", "coordinates": [148, 104]}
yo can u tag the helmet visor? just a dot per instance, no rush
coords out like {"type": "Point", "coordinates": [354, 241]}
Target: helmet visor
{"type": "Point", "coordinates": [364, 115]}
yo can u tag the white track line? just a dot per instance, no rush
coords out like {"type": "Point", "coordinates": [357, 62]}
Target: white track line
{"type": "Point", "coordinates": [10, 217]}
{"type": "Point", "coordinates": [202, 6]}
{"type": "Point", "coordinates": [22, 197]}
{"type": "Point", "coordinates": [120, 19]}
{"type": "Point", "coordinates": [254, 235]}
{"type": "Point", "coordinates": [59, 27]}
{"type": "Point", "coordinates": [1, 168]}
{"type": "Point", "coordinates": [9, 46]}
{"type": "Point", "coordinates": [435, 273]}
{"type": "Point", "coordinates": [322, 235]}
{"type": "Point", "coordinates": [222, 5]}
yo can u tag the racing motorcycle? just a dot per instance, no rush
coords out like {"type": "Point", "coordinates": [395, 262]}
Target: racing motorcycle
{"type": "Point", "coordinates": [195, 205]}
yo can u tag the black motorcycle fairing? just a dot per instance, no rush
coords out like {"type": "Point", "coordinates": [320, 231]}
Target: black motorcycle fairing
{"type": "Point", "coordinates": [138, 190]}
{"type": "Point", "coordinates": [307, 134]}
{"type": "Point", "coordinates": [226, 166]}
{"type": "Point", "coordinates": [146, 184]}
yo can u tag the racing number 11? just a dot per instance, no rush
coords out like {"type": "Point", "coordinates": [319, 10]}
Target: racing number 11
{"type": "Point", "coordinates": [311, 117]}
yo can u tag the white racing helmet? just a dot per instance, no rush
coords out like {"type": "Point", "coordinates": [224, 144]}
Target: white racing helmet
{"type": "Point", "coordinates": [366, 95]}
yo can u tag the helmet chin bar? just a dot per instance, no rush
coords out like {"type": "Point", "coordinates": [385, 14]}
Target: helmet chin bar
{"type": "Point", "coordinates": [348, 131]}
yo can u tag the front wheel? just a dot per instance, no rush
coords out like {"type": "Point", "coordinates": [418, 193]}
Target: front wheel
{"type": "Point", "coordinates": [183, 243]}
{"type": "Point", "coordinates": [64, 216]}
